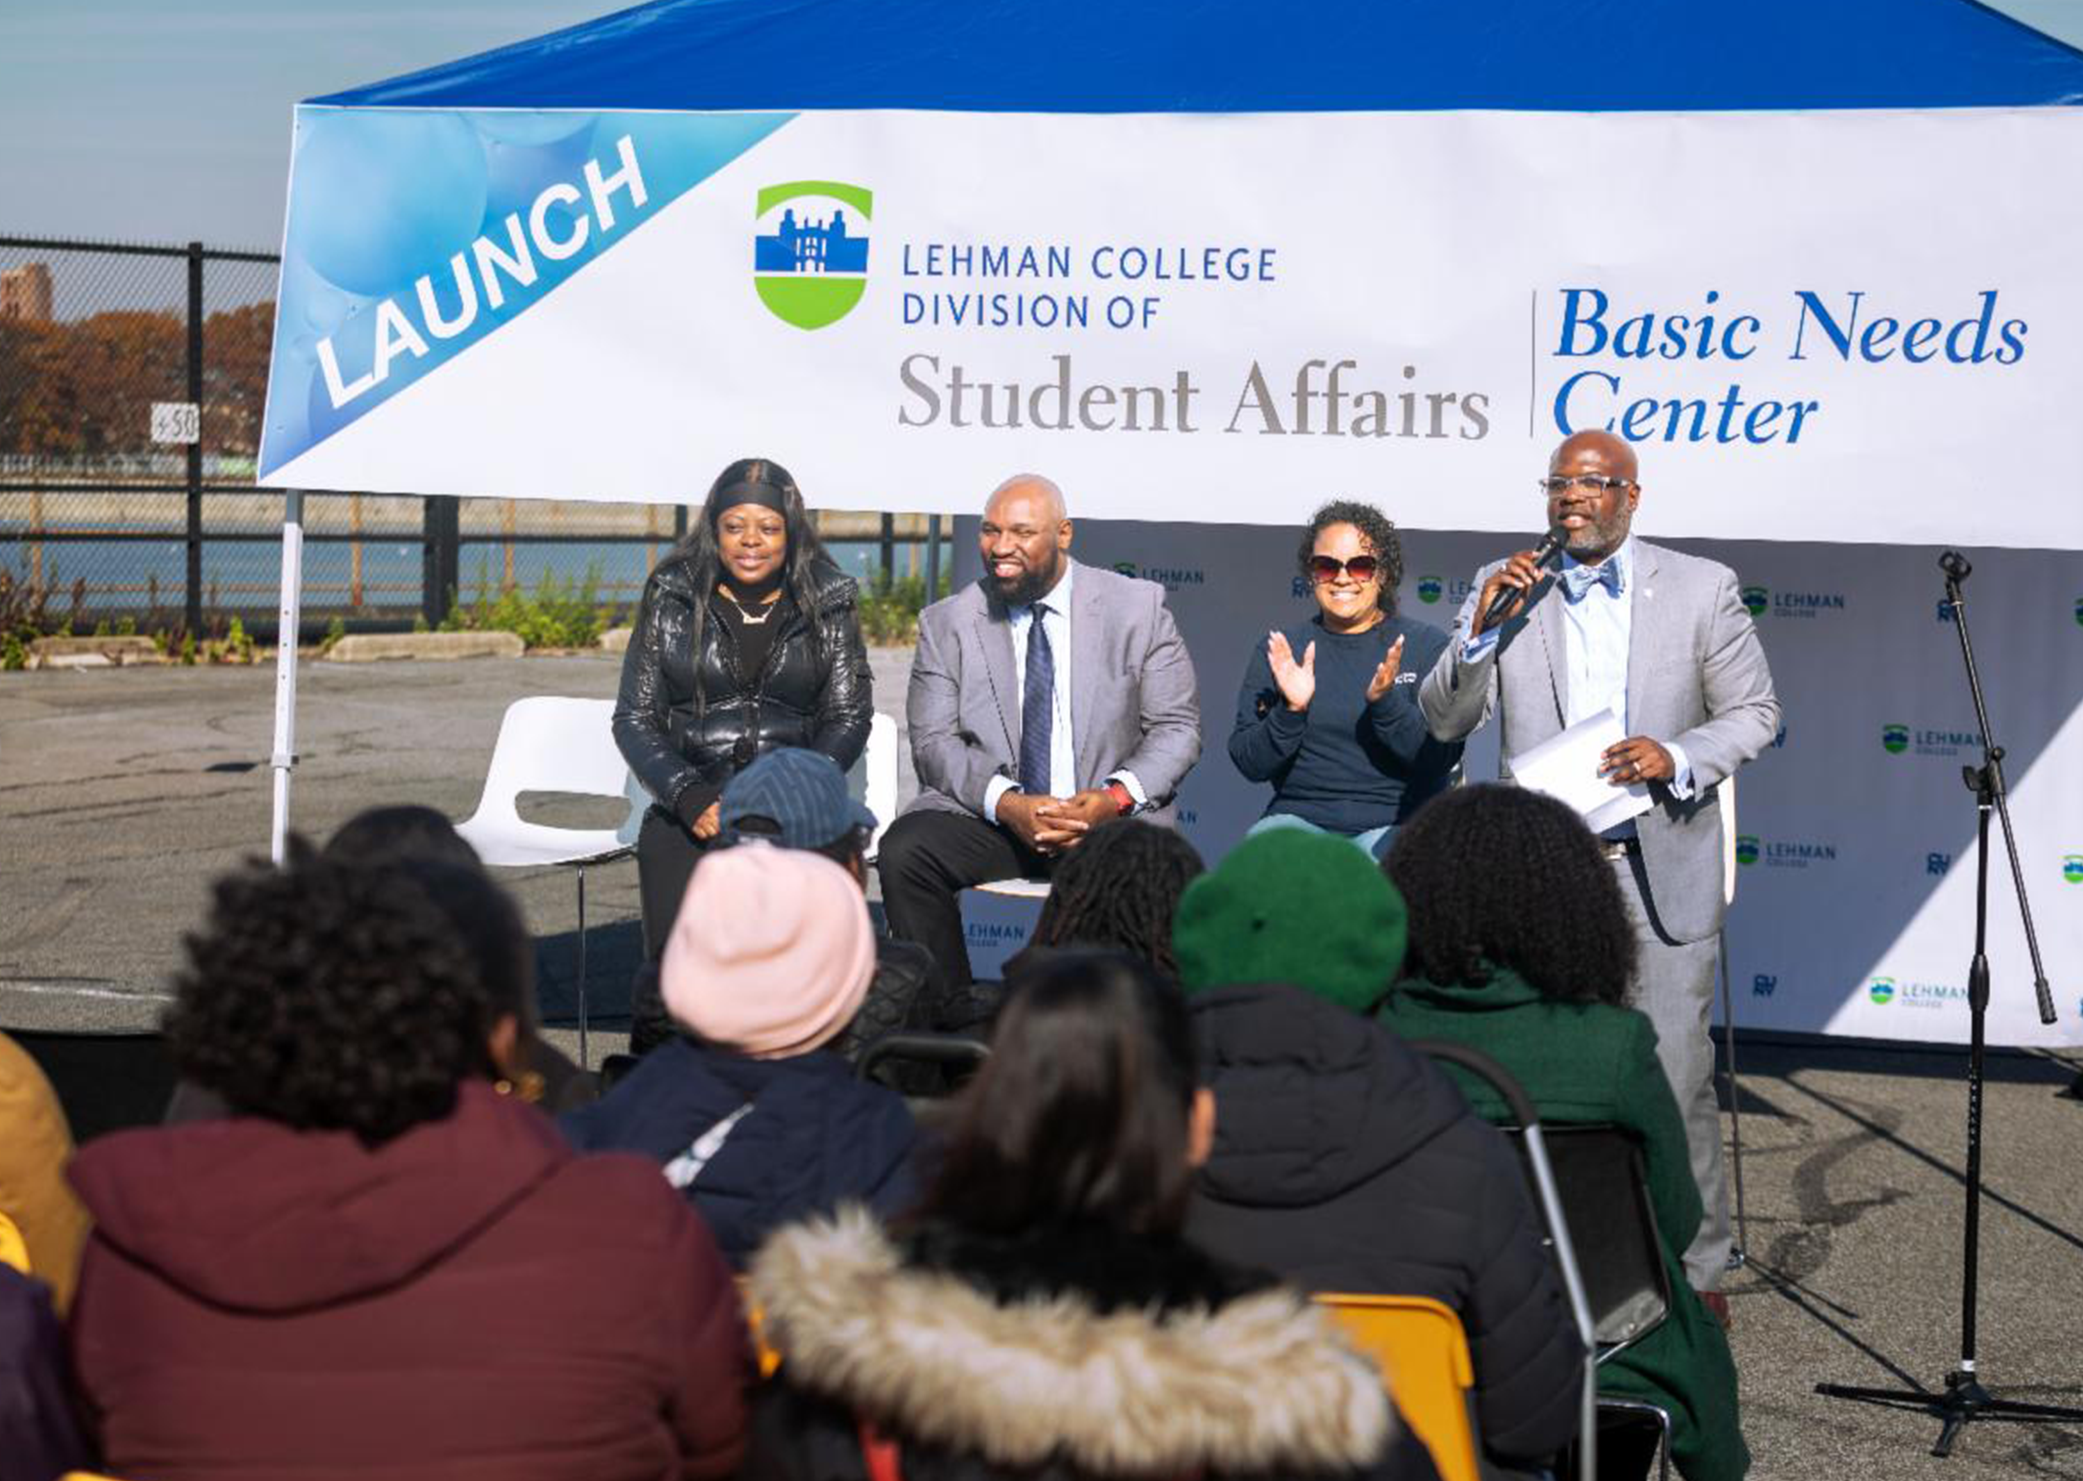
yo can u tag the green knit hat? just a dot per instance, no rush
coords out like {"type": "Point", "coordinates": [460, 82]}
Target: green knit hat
{"type": "Point", "coordinates": [1295, 906]}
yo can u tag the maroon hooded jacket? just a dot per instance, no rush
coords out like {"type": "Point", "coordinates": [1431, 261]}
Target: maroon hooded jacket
{"type": "Point", "coordinates": [469, 1301]}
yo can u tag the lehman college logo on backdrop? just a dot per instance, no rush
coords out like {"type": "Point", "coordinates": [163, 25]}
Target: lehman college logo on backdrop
{"type": "Point", "coordinates": [1430, 589]}
{"type": "Point", "coordinates": [809, 258]}
{"type": "Point", "coordinates": [1886, 990]}
{"type": "Point", "coordinates": [1758, 600]}
{"type": "Point", "coordinates": [1896, 738]}
{"type": "Point", "coordinates": [1171, 578]}
{"type": "Point", "coordinates": [2072, 868]}
{"type": "Point", "coordinates": [1783, 853]}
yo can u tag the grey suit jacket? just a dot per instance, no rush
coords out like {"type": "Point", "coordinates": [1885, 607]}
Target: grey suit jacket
{"type": "Point", "coordinates": [1133, 703]}
{"type": "Point", "coordinates": [1696, 675]}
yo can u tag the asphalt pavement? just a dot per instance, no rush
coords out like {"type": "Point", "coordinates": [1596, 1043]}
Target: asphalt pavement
{"type": "Point", "coordinates": [123, 792]}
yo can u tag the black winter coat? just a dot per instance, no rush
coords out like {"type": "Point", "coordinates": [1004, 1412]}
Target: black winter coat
{"type": "Point", "coordinates": [1348, 1162]}
{"type": "Point", "coordinates": [814, 1136]}
{"type": "Point", "coordinates": [39, 1435]}
{"type": "Point", "coordinates": [681, 715]}
{"type": "Point", "coordinates": [1067, 1354]}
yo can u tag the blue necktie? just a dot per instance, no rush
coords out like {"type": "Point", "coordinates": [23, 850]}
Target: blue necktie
{"type": "Point", "coordinates": [1037, 706]}
{"type": "Point", "coordinates": [1577, 580]}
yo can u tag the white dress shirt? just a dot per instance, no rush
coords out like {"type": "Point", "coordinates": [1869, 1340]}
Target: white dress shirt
{"type": "Point", "coordinates": [1063, 754]}
{"type": "Point", "coordinates": [1597, 630]}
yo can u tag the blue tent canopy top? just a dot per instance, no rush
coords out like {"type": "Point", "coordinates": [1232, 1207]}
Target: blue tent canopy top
{"type": "Point", "coordinates": [1232, 56]}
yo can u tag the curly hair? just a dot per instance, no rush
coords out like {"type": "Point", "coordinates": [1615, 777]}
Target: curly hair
{"type": "Point", "coordinates": [1120, 889]}
{"type": "Point", "coordinates": [1377, 532]}
{"type": "Point", "coordinates": [1499, 876]}
{"type": "Point", "coordinates": [330, 996]}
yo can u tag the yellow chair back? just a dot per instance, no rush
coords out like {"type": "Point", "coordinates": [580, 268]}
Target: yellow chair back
{"type": "Point", "coordinates": [756, 1326]}
{"type": "Point", "coordinates": [1423, 1355]}
{"type": "Point", "coordinates": [14, 1250]}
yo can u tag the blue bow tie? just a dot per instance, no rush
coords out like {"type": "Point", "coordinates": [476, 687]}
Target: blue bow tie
{"type": "Point", "coordinates": [1576, 580]}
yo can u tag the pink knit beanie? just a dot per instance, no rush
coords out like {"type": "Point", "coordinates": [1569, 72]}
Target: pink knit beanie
{"type": "Point", "coordinates": [771, 953]}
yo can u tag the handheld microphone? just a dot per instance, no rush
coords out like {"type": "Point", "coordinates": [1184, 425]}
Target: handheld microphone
{"type": "Point", "coordinates": [1544, 554]}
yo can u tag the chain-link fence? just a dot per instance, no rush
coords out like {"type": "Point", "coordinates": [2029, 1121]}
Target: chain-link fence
{"type": "Point", "coordinates": [132, 386]}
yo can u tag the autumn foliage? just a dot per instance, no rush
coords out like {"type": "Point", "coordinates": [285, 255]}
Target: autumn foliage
{"type": "Point", "coordinates": [84, 389]}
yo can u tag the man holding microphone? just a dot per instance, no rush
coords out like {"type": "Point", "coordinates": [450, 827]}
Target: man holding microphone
{"type": "Point", "coordinates": [1663, 639]}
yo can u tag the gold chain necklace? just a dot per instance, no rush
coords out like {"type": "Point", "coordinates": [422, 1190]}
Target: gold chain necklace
{"type": "Point", "coordinates": [766, 610]}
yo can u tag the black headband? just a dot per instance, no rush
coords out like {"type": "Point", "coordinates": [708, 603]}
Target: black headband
{"type": "Point", "coordinates": [759, 492]}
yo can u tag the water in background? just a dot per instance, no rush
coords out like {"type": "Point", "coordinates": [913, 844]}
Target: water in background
{"type": "Point", "coordinates": [136, 576]}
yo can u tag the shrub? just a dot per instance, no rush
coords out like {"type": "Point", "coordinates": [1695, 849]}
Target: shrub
{"type": "Point", "coordinates": [890, 609]}
{"type": "Point", "coordinates": [557, 614]}
{"type": "Point", "coordinates": [22, 619]}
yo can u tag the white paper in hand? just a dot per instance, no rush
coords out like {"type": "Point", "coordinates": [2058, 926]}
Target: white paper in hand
{"type": "Point", "coordinates": [1566, 767]}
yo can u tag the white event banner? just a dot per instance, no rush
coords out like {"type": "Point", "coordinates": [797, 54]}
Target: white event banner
{"type": "Point", "coordinates": [1829, 326]}
{"type": "Point", "coordinates": [1855, 873]}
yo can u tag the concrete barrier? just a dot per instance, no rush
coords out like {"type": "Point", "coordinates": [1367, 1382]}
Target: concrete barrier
{"type": "Point", "coordinates": [374, 647]}
{"type": "Point", "coordinates": [92, 653]}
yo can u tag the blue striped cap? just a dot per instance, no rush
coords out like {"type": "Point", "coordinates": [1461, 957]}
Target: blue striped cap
{"type": "Point", "coordinates": [804, 792]}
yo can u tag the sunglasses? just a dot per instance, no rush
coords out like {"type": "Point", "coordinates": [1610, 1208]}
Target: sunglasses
{"type": "Point", "coordinates": [1326, 568]}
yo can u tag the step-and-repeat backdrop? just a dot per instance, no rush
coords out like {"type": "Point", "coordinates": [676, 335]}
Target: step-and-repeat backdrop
{"type": "Point", "coordinates": [1225, 319]}
{"type": "Point", "coordinates": [1855, 853]}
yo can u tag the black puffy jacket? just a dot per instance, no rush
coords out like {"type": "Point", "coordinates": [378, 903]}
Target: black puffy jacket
{"type": "Point", "coordinates": [680, 715]}
{"type": "Point", "coordinates": [1346, 1161]}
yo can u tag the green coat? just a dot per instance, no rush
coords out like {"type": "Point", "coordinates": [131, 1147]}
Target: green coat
{"type": "Point", "coordinates": [1591, 1062]}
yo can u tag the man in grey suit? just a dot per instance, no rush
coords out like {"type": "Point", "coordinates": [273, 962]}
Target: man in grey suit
{"type": "Point", "coordinates": [1046, 699]}
{"type": "Point", "coordinates": [1663, 638]}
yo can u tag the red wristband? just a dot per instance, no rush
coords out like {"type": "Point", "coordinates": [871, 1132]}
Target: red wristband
{"type": "Point", "coordinates": [1124, 800]}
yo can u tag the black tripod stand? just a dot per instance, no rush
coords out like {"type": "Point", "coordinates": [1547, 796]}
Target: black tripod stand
{"type": "Point", "coordinates": [1964, 1399]}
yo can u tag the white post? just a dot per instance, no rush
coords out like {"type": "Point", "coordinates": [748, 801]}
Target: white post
{"type": "Point", "coordinates": [284, 757]}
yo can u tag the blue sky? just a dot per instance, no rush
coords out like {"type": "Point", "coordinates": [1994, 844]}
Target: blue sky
{"type": "Point", "coordinates": [144, 121]}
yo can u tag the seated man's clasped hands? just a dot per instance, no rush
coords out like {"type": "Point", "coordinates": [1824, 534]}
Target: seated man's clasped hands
{"type": "Point", "coordinates": [1048, 698]}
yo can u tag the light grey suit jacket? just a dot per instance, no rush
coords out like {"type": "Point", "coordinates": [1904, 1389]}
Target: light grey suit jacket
{"type": "Point", "coordinates": [1133, 703]}
{"type": "Point", "coordinates": [1696, 676]}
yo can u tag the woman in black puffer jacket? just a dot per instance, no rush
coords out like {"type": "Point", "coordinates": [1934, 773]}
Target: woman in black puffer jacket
{"type": "Point", "coordinates": [748, 638]}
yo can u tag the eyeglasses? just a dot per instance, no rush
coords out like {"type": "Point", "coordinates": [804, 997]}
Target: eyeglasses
{"type": "Point", "coordinates": [1591, 483]}
{"type": "Point", "coordinates": [1326, 568]}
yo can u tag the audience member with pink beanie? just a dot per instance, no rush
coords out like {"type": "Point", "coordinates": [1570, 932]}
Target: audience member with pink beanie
{"type": "Point", "coordinates": [751, 1116]}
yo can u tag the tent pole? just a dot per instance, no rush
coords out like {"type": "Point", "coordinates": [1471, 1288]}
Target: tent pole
{"type": "Point", "coordinates": [284, 759]}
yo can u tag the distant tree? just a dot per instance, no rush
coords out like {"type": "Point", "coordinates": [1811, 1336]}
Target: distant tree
{"type": "Point", "coordinates": [236, 345]}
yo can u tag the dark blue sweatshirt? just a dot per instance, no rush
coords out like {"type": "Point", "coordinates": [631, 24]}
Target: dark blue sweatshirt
{"type": "Point", "coordinates": [811, 1136]}
{"type": "Point", "coordinates": [1344, 764]}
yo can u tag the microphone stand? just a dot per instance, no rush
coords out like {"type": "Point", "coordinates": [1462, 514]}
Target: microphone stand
{"type": "Point", "coordinates": [1964, 1399]}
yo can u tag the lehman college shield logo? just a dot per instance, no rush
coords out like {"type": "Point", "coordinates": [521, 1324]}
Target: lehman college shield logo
{"type": "Point", "coordinates": [1755, 600]}
{"type": "Point", "coordinates": [1894, 739]}
{"type": "Point", "coordinates": [810, 254]}
{"type": "Point", "coordinates": [1429, 589]}
{"type": "Point", "coordinates": [1746, 848]}
{"type": "Point", "coordinates": [1882, 991]}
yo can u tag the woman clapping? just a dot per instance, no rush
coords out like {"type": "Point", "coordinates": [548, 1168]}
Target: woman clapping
{"type": "Point", "coordinates": [1328, 712]}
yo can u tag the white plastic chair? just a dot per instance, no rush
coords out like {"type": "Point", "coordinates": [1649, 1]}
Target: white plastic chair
{"type": "Point", "coordinates": [548, 743]}
{"type": "Point", "coordinates": [1016, 888]}
{"type": "Point", "coordinates": [873, 778]}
